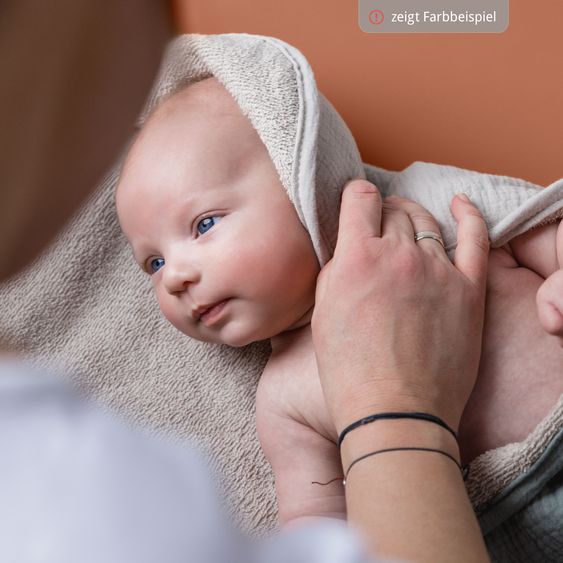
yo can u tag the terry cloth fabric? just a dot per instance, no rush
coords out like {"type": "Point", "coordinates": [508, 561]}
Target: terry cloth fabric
{"type": "Point", "coordinates": [523, 522]}
{"type": "Point", "coordinates": [85, 306]}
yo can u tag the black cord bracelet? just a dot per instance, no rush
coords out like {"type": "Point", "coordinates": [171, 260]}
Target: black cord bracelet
{"type": "Point", "coordinates": [395, 415]}
{"type": "Point", "coordinates": [462, 469]}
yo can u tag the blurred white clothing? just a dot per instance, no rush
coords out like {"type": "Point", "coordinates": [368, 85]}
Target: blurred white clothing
{"type": "Point", "coordinates": [79, 486]}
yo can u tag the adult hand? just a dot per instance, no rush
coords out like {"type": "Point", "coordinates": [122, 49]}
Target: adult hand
{"type": "Point", "coordinates": [396, 325]}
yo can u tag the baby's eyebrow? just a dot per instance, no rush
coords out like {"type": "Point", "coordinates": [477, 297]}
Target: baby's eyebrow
{"type": "Point", "coordinates": [186, 206]}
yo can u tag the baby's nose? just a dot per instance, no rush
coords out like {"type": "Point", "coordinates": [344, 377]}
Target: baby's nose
{"type": "Point", "coordinates": [178, 275]}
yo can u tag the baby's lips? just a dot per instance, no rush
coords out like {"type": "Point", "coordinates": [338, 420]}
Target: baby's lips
{"type": "Point", "coordinates": [202, 309]}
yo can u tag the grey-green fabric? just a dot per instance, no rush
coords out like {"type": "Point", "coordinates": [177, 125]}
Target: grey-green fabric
{"type": "Point", "coordinates": [85, 306]}
{"type": "Point", "coordinates": [525, 521]}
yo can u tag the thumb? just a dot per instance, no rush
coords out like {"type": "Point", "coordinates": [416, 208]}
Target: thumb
{"type": "Point", "coordinates": [472, 252]}
{"type": "Point", "coordinates": [360, 212]}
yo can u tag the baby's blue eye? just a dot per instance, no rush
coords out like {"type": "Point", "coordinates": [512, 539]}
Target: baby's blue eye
{"type": "Point", "coordinates": [155, 264]}
{"type": "Point", "coordinates": [205, 224]}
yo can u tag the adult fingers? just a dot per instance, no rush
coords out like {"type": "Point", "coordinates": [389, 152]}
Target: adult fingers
{"type": "Point", "coordinates": [395, 220]}
{"type": "Point", "coordinates": [360, 213]}
{"type": "Point", "coordinates": [422, 220]}
{"type": "Point", "coordinates": [472, 252]}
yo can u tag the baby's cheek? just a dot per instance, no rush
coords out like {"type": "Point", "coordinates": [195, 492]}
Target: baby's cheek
{"type": "Point", "coordinates": [246, 272]}
{"type": "Point", "coordinates": [169, 314]}
{"type": "Point", "coordinates": [172, 314]}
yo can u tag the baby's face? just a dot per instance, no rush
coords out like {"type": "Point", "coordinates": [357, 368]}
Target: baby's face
{"type": "Point", "coordinates": [207, 218]}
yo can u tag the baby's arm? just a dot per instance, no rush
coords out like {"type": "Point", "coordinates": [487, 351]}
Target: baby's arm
{"type": "Point", "coordinates": [536, 249]}
{"type": "Point", "coordinates": [297, 435]}
{"type": "Point", "coordinates": [541, 250]}
{"type": "Point", "coordinates": [300, 460]}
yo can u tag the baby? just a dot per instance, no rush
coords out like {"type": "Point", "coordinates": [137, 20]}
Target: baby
{"type": "Point", "coordinates": [207, 217]}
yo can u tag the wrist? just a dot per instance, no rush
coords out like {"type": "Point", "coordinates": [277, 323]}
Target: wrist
{"type": "Point", "coordinates": [357, 408]}
{"type": "Point", "coordinates": [384, 434]}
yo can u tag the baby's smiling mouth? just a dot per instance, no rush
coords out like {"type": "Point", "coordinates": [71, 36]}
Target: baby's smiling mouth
{"type": "Point", "coordinates": [207, 314]}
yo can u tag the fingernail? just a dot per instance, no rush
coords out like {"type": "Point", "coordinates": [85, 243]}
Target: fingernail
{"type": "Point", "coordinates": [361, 185]}
{"type": "Point", "coordinates": [463, 197]}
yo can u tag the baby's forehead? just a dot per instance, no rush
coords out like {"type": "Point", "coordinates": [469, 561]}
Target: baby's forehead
{"type": "Point", "coordinates": [207, 98]}
{"type": "Point", "coordinates": [198, 136]}
{"type": "Point", "coordinates": [202, 118]}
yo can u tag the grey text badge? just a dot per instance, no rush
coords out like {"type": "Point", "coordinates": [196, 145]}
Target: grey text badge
{"type": "Point", "coordinates": [433, 16]}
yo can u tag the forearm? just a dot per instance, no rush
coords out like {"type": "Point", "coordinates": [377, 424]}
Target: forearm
{"type": "Point", "coordinates": [329, 508]}
{"type": "Point", "coordinates": [300, 520]}
{"type": "Point", "coordinates": [410, 504]}
{"type": "Point", "coordinates": [302, 497]}
{"type": "Point", "coordinates": [302, 461]}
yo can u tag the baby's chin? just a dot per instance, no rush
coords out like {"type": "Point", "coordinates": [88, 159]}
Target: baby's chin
{"type": "Point", "coordinates": [232, 335]}
{"type": "Point", "coordinates": [240, 330]}
{"type": "Point", "coordinates": [240, 336]}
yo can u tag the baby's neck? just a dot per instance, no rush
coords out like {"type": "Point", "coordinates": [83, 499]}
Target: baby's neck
{"type": "Point", "coordinates": [283, 341]}
{"type": "Point", "coordinates": [298, 330]}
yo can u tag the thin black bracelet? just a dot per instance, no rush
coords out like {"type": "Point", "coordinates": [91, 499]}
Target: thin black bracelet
{"type": "Point", "coordinates": [462, 469]}
{"type": "Point", "coordinates": [395, 415]}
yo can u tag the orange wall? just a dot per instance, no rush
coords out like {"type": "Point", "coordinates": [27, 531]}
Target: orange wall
{"type": "Point", "coordinates": [489, 102]}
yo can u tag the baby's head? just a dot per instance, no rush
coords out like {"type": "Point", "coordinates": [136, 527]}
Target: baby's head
{"type": "Point", "coordinates": [207, 217]}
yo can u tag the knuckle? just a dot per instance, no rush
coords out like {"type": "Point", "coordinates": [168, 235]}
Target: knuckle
{"type": "Point", "coordinates": [426, 220]}
{"type": "Point", "coordinates": [413, 207]}
{"type": "Point", "coordinates": [407, 262]}
{"type": "Point", "coordinates": [388, 207]}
